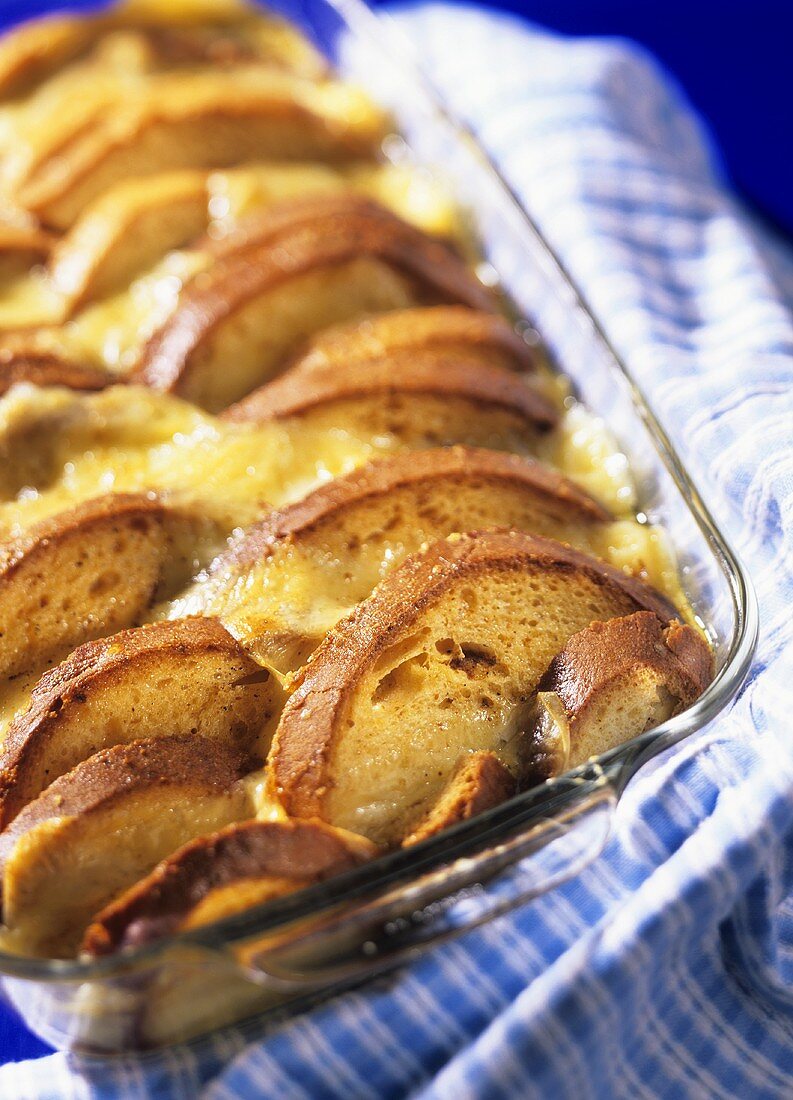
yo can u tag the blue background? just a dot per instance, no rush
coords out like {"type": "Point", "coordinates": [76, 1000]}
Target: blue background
{"type": "Point", "coordinates": [735, 60]}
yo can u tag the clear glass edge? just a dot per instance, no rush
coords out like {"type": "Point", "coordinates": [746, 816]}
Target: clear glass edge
{"type": "Point", "coordinates": [556, 796]}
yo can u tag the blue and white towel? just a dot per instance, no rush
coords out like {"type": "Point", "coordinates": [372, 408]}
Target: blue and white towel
{"type": "Point", "coordinates": [666, 968]}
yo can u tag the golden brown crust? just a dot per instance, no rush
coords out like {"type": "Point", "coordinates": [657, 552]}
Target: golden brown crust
{"type": "Point", "coordinates": [28, 53]}
{"type": "Point", "coordinates": [287, 218]}
{"type": "Point", "coordinates": [430, 373]}
{"type": "Point", "coordinates": [64, 694]}
{"type": "Point", "coordinates": [292, 239]}
{"type": "Point", "coordinates": [34, 50]}
{"type": "Point", "coordinates": [80, 520]}
{"type": "Point", "coordinates": [304, 851]}
{"type": "Point", "coordinates": [44, 368]}
{"type": "Point", "coordinates": [224, 45]}
{"type": "Point", "coordinates": [456, 329]}
{"type": "Point", "coordinates": [114, 773]}
{"type": "Point", "coordinates": [611, 681]}
{"type": "Point", "coordinates": [389, 475]}
{"type": "Point", "coordinates": [125, 231]}
{"type": "Point", "coordinates": [300, 754]}
{"type": "Point", "coordinates": [479, 782]}
{"type": "Point", "coordinates": [693, 653]}
{"type": "Point", "coordinates": [237, 123]}
{"type": "Point", "coordinates": [88, 571]}
{"type": "Point", "coordinates": [357, 226]}
{"type": "Point", "coordinates": [604, 652]}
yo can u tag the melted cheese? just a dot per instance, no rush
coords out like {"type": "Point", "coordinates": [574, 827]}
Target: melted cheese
{"type": "Point", "coordinates": [113, 331]}
{"type": "Point", "coordinates": [130, 439]}
{"type": "Point", "coordinates": [30, 300]}
{"type": "Point", "coordinates": [585, 450]}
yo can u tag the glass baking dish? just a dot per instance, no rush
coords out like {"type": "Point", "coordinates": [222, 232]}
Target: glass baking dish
{"type": "Point", "coordinates": [282, 955]}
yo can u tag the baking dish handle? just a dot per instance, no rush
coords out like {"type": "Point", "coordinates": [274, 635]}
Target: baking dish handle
{"type": "Point", "coordinates": [377, 933]}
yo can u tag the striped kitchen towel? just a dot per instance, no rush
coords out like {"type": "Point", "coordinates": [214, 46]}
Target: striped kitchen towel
{"type": "Point", "coordinates": [666, 968]}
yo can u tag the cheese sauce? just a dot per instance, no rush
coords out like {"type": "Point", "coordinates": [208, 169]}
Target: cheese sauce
{"type": "Point", "coordinates": [129, 439]}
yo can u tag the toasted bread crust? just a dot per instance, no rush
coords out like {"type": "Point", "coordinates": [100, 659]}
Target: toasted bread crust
{"type": "Point", "coordinates": [297, 237]}
{"type": "Point", "coordinates": [290, 216]}
{"type": "Point", "coordinates": [608, 684]}
{"type": "Point", "coordinates": [41, 368]}
{"type": "Point", "coordinates": [60, 580]}
{"type": "Point", "coordinates": [95, 665]}
{"type": "Point", "coordinates": [80, 520]}
{"type": "Point", "coordinates": [306, 851]}
{"type": "Point", "coordinates": [449, 328]}
{"type": "Point", "coordinates": [113, 773]}
{"type": "Point", "coordinates": [300, 752]}
{"type": "Point", "coordinates": [30, 51]}
{"type": "Point", "coordinates": [113, 240]}
{"type": "Point", "coordinates": [391, 474]}
{"type": "Point", "coordinates": [431, 373]}
{"type": "Point", "coordinates": [479, 782]}
{"type": "Point", "coordinates": [693, 653]}
{"type": "Point", "coordinates": [244, 126]}
{"type": "Point", "coordinates": [33, 50]}
{"type": "Point", "coordinates": [604, 652]}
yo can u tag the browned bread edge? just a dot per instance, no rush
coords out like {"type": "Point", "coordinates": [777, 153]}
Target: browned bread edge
{"type": "Point", "coordinates": [156, 906]}
{"type": "Point", "coordinates": [292, 239]}
{"type": "Point", "coordinates": [42, 368]}
{"type": "Point", "coordinates": [67, 684]}
{"type": "Point", "coordinates": [432, 373]}
{"type": "Point", "coordinates": [479, 782]}
{"type": "Point", "coordinates": [421, 328]}
{"type": "Point", "coordinates": [115, 772]}
{"type": "Point", "coordinates": [389, 474]}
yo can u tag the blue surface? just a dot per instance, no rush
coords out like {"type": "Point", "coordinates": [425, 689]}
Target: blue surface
{"type": "Point", "coordinates": [16, 1042]}
{"type": "Point", "coordinates": [733, 59]}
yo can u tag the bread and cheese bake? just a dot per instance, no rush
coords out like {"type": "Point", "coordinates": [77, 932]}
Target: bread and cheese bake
{"type": "Point", "coordinates": [305, 553]}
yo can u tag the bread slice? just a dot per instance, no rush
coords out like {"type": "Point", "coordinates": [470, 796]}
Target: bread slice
{"type": "Point", "coordinates": [452, 330]}
{"type": "Point", "coordinates": [175, 35]}
{"type": "Point", "coordinates": [33, 50]}
{"type": "Point", "coordinates": [22, 244]}
{"type": "Point", "coordinates": [204, 120]}
{"type": "Point", "coordinates": [610, 683]}
{"type": "Point", "coordinates": [46, 368]}
{"type": "Point", "coordinates": [478, 783]}
{"type": "Point", "coordinates": [282, 586]}
{"type": "Point", "coordinates": [125, 231]}
{"type": "Point", "coordinates": [187, 677]}
{"type": "Point", "coordinates": [90, 571]}
{"type": "Point", "coordinates": [425, 399]}
{"type": "Point", "coordinates": [299, 267]}
{"type": "Point", "coordinates": [215, 33]}
{"type": "Point", "coordinates": [215, 876]}
{"type": "Point", "coordinates": [439, 661]}
{"type": "Point", "coordinates": [95, 831]}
